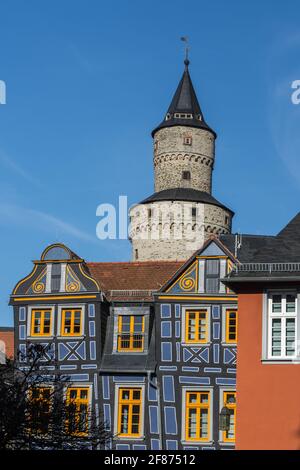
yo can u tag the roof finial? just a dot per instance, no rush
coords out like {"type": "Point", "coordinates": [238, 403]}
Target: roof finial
{"type": "Point", "coordinates": [186, 60]}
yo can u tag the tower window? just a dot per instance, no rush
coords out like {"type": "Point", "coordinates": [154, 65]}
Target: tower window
{"type": "Point", "coordinates": [194, 212]}
{"type": "Point", "coordinates": [226, 219]}
{"type": "Point", "coordinates": [136, 252]}
{"type": "Point", "coordinates": [187, 141]}
{"type": "Point", "coordinates": [186, 175]}
{"type": "Point", "coordinates": [149, 213]}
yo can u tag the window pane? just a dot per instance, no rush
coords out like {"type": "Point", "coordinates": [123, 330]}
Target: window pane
{"type": "Point", "coordinates": [193, 397]}
{"type": "Point", "coordinates": [125, 341]}
{"type": "Point", "coordinates": [125, 394]}
{"type": "Point", "coordinates": [203, 423]}
{"type": "Point", "coordinates": [136, 394]}
{"type": "Point", "coordinates": [276, 337]}
{"type": "Point", "coordinates": [125, 324]}
{"type": "Point", "coordinates": [204, 398]}
{"type": "Point", "coordinates": [290, 303]}
{"type": "Point", "coordinates": [124, 419]}
{"type": "Point", "coordinates": [138, 324]}
{"type": "Point", "coordinates": [192, 423]}
{"type": "Point", "coordinates": [276, 303]}
{"type": "Point", "coordinates": [290, 337]}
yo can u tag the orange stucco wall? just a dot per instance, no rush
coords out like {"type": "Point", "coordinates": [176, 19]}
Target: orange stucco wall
{"type": "Point", "coordinates": [268, 396]}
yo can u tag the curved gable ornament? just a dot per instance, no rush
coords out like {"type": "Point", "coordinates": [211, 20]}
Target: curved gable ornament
{"type": "Point", "coordinates": [72, 282]}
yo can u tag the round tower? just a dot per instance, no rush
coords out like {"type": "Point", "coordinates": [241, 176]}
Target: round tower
{"type": "Point", "coordinates": [178, 218]}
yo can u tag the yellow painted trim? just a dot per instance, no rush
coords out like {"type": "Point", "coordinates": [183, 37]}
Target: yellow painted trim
{"type": "Point", "coordinates": [231, 406]}
{"type": "Point", "coordinates": [228, 312]}
{"type": "Point", "coordinates": [131, 334]}
{"type": "Point", "coordinates": [54, 261]}
{"type": "Point", "coordinates": [198, 406]}
{"type": "Point", "coordinates": [187, 297]}
{"type": "Point", "coordinates": [58, 297]}
{"type": "Point", "coordinates": [25, 279]}
{"type": "Point", "coordinates": [89, 277]}
{"type": "Point", "coordinates": [196, 339]}
{"type": "Point", "coordinates": [185, 273]}
{"type": "Point", "coordinates": [78, 401]}
{"type": "Point", "coordinates": [42, 323]}
{"type": "Point", "coordinates": [60, 245]}
{"type": "Point", "coordinates": [130, 402]}
{"type": "Point", "coordinates": [72, 322]}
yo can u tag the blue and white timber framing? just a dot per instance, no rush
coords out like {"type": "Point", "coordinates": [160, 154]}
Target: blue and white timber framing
{"type": "Point", "coordinates": [167, 368]}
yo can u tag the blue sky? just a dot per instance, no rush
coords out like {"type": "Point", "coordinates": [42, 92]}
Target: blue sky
{"type": "Point", "coordinates": [87, 81]}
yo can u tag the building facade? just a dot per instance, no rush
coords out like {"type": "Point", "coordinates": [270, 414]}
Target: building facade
{"type": "Point", "coordinates": [268, 385]}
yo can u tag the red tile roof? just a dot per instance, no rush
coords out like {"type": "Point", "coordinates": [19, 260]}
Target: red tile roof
{"type": "Point", "coordinates": [133, 276]}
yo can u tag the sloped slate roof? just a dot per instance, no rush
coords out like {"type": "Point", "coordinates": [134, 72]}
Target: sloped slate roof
{"type": "Point", "coordinates": [184, 101]}
{"type": "Point", "coordinates": [133, 276]}
{"type": "Point", "coordinates": [282, 248]}
{"type": "Point", "coordinates": [184, 194]}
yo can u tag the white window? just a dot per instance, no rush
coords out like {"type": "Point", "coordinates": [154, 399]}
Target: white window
{"type": "Point", "coordinates": [282, 326]}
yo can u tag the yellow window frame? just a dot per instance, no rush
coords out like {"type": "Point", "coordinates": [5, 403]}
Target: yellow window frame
{"type": "Point", "coordinates": [132, 334]}
{"type": "Point", "coordinates": [42, 321]}
{"type": "Point", "coordinates": [130, 402]}
{"type": "Point", "coordinates": [228, 319]}
{"type": "Point", "coordinates": [197, 313]}
{"type": "Point", "coordinates": [78, 401]}
{"type": "Point", "coordinates": [231, 406]}
{"type": "Point", "coordinates": [41, 398]}
{"type": "Point", "coordinates": [199, 407]}
{"type": "Point", "coordinates": [63, 321]}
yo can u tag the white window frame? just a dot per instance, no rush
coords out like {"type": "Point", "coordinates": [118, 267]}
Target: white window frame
{"type": "Point", "coordinates": [59, 317]}
{"type": "Point", "coordinates": [116, 410]}
{"type": "Point", "coordinates": [283, 316]}
{"type": "Point", "coordinates": [40, 307]}
{"type": "Point", "coordinates": [194, 388]}
{"type": "Point", "coordinates": [183, 325]}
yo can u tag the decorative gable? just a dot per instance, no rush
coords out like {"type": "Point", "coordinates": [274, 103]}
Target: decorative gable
{"type": "Point", "coordinates": [187, 282]}
{"type": "Point", "coordinates": [202, 273]}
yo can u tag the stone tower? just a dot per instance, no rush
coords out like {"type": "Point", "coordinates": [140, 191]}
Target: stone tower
{"type": "Point", "coordinates": [177, 219]}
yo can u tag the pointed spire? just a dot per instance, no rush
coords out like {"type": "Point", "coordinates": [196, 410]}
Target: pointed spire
{"type": "Point", "coordinates": [184, 109]}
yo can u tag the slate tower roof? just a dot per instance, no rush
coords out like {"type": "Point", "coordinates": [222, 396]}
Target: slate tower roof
{"type": "Point", "coordinates": [184, 109]}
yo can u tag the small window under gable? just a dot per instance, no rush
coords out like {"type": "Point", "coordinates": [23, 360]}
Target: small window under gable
{"type": "Point", "coordinates": [212, 270]}
{"type": "Point", "coordinates": [56, 253]}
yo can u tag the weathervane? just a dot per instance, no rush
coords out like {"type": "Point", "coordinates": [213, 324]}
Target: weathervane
{"type": "Point", "coordinates": [187, 48]}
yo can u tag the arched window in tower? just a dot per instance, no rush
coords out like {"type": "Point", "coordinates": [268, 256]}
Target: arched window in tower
{"type": "Point", "coordinates": [136, 253]}
{"type": "Point", "coordinates": [186, 175]}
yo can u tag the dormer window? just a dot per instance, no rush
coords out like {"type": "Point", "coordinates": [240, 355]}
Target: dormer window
{"type": "Point", "coordinates": [187, 141]}
{"type": "Point", "coordinates": [168, 116]}
{"type": "Point", "coordinates": [199, 117]}
{"type": "Point", "coordinates": [186, 175]}
{"type": "Point", "coordinates": [131, 330]}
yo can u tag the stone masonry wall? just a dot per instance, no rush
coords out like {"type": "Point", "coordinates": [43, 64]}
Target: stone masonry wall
{"type": "Point", "coordinates": [171, 232]}
{"type": "Point", "coordinates": [172, 156]}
